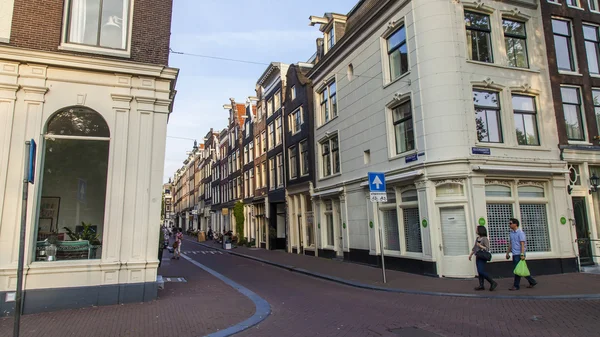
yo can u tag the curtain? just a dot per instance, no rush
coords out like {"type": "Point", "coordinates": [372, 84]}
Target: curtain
{"type": "Point", "coordinates": [78, 21]}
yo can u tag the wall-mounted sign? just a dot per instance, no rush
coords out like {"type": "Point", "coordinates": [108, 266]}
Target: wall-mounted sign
{"type": "Point", "coordinates": [481, 150]}
{"type": "Point", "coordinates": [411, 158]}
{"type": "Point", "coordinates": [344, 225]}
{"type": "Point", "coordinates": [371, 224]}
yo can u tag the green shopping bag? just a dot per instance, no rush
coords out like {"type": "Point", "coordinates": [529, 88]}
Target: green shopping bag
{"type": "Point", "coordinates": [521, 269]}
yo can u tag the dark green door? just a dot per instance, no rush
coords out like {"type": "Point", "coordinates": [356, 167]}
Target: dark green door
{"type": "Point", "coordinates": [583, 231]}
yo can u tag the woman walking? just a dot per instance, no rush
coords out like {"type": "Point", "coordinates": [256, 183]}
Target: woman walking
{"type": "Point", "coordinates": [480, 250]}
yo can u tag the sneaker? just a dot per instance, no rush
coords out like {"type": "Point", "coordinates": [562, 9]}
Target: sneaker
{"type": "Point", "coordinates": [479, 288]}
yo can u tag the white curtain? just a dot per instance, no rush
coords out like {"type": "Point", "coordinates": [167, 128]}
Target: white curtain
{"type": "Point", "coordinates": [124, 24]}
{"type": "Point", "coordinates": [77, 21]}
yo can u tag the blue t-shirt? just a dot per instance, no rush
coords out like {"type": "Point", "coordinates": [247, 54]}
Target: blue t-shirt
{"type": "Point", "coordinates": [516, 237]}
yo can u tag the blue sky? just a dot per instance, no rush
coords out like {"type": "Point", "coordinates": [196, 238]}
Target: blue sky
{"type": "Point", "coordinates": [254, 30]}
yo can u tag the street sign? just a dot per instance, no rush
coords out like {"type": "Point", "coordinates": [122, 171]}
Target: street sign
{"type": "Point", "coordinates": [377, 187]}
{"type": "Point", "coordinates": [32, 150]}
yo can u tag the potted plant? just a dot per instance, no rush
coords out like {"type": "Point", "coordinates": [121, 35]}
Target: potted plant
{"type": "Point", "coordinates": [87, 233]}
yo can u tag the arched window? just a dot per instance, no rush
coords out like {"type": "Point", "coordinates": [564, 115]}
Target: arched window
{"type": "Point", "coordinates": [75, 168]}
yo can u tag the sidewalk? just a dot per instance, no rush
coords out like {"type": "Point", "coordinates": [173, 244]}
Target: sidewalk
{"type": "Point", "coordinates": [569, 285]}
{"type": "Point", "coordinates": [200, 306]}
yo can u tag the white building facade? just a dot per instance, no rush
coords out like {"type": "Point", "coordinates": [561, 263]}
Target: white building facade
{"type": "Point", "coordinates": [452, 101]}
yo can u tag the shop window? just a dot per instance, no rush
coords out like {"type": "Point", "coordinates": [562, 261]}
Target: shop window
{"type": "Point", "coordinates": [74, 174]}
{"type": "Point", "coordinates": [390, 229]}
{"type": "Point", "coordinates": [410, 217]}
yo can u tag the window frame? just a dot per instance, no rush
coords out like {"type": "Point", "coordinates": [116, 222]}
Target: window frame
{"type": "Point", "coordinates": [280, 173]}
{"type": "Point", "coordinates": [327, 152]}
{"type": "Point", "coordinates": [272, 171]}
{"type": "Point", "coordinates": [409, 119]}
{"type": "Point", "coordinates": [296, 121]}
{"type": "Point", "coordinates": [581, 113]}
{"type": "Point", "coordinates": [518, 37]}
{"type": "Point", "coordinates": [304, 162]}
{"type": "Point", "coordinates": [533, 113]}
{"type": "Point", "coordinates": [96, 49]}
{"type": "Point", "coordinates": [328, 102]}
{"type": "Point", "coordinates": [293, 92]}
{"type": "Point", "coordinates": [570, 46]}
{"type": "Point", "coordinates": [293, 160]}
{"type": "Point", "coordinates": [271, 140]}
{"type": "Point", "coordinates": [485, 109]}
{"type": "Point", "coordinates": [477, 29]}
{"type": "Point", "coordinates": [389, 53]}
{"type": "Point", "coordinates": [596, 105]}
{"type": "Point", "coordinates": [594, 6]}
{"type": "Point", "coordinates": [596, 45]}
{"type": "Point", "coordinates": [278, 131]}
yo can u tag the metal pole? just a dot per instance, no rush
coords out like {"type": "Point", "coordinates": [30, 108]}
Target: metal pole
{"type": "Point", "coordinates": [19, 295]}
{"type": "Point", "coordinates": [381, 244]}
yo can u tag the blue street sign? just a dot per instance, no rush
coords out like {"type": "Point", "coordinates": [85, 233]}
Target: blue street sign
{"type": "Point", "coordinates": [31, 171]}
{"type": "Point", "coordinates": [481, 150]}
{"type": "Point", "coordinates": [411, 158]}
{"type": "Point", "coordinates": [81, 190]}
{"type": "Point", "coordinates": [376, 182]}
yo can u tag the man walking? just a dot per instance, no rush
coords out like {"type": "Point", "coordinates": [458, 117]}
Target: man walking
{"type": "Point", "coordinates": [517, 245]}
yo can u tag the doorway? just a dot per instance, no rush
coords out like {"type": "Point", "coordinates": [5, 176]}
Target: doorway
{"type": "Point", "coordinates": [455, 245]}
{"type": "Point", "coordinates": [582, 228]}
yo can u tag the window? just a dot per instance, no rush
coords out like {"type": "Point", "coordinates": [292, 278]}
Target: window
{"type": "Point", "coordinates": [264, 175]}
{"type": "Point", "coordinates": [246, 155]}
{"type": "Point", "coordinates": [563, 44]}
{"type": "Point", "coordinates": [277, 99]}
{"type": "Point", "coordinates": [73, 161]}
{"type": "Point", "coordinates": [330, 156]}
{"type": "Point", "coordinates": [293, 155]}
{"type": "Point", "coordinates": [257, 149]}
{"type": "Point", "coordinates": [328, 103]}
{"type": "Point", "coordinates": [391, 232]}
{"type": "Point", "coordinates": [279, 169]}
{"type": "Point", "coordinates": [296, 120]}
{"type": "Point", "coordinates": [304, 158]}
{"type": "Point", "coordinates": [596, 99]}
{"type": "Point", "coordinates": [410, 217]}
{"type": "Point", "coordinates": [329, 222]}
{"type": "Point", "coordinates": [525, 120]}
{"type": "Point", "coordinates": [99, 23]}
{"type": "Point", "coordinates": [263, 142]}
{"type": "Point", "coordinates": [271, 135]}
{"type": "Point", "coordinates": [293, 92]}
{"type": "Point", "coordinates": [397, 53]}
{"type": "Point", "coordinates": [572, 110]}
{"type": "Point", "coordinates": [593, 5]}
{"type": "Point", "coordinates": [573, 3]}
{"type": "Point", "coordinates": [479, 44]}
{"type": "Point", "coordinates": [279, 130]}
{"type": "Point", "coordinates": [246, 183]}
{"type": "Point", "coordinates": [487, 116]}
{"type": "Point", "coordinates": [251, 152]}
{"type": "Point", "coordinates": [590, 35]}
{"type": "Point", "coordinates": [269, 107]}
{"type": "Point", "coordinates": [532, 206]}
{"type": "Point", "coordinates": [247, 129]}
{"type": "Point", "coordinates": [330, 38]}
{"type": "Point", "coordinates": [403, 128]}
{"type": "Point", "coordinates": [238, 162]}
{"type": "Point", "coordinates": [272, 175]}
{"type": "Point", "coordinates": [251, 188]}
{"type": "Point", "coordinates": [515, 39]}
{"type": "Point", "coordinates": [258, 177]}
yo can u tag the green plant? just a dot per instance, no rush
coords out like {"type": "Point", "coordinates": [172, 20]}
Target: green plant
{"type": "Point", "coordinates": [238, 212]}
{"type": "Point", "coordinates": [88, 233]}
{"type": "Point", "coordinates": [53, 239]}
{"type": "Point", "coordinates": [161, 239]}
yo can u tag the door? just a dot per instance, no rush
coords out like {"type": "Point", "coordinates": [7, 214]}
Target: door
{"type": "Point", "coordinates": [583, 231]}
{"type": "Point", "coordinates": [455, 245]}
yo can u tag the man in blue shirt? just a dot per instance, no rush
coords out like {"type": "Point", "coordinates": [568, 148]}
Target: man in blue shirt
{"type": "Point", "coordinates": [516, 246]}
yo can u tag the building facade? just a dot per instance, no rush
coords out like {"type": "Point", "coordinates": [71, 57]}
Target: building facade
{"type": "Point", "coordinates": [461, 122]}
{"type": "Point", "coordinates": [572, 39]}
{"type": "Point", "coordinates": [96, 100]}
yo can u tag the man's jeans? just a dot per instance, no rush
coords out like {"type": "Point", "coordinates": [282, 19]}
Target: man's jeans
{"type": "Point", "coordinates": [516, 259]}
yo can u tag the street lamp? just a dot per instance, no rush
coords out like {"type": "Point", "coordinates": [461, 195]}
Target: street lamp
{"type": "Point", "coordinates": [594, 182]}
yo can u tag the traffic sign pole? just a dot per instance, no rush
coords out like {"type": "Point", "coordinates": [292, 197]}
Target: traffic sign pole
{"type": "Point", "coordinates": [381, 245]}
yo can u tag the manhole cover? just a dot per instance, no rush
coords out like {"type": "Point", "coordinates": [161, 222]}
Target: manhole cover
{"type": "Point", "coordinates": [413, 332]}
{"type": "Point", "coordinates": [174, 279]}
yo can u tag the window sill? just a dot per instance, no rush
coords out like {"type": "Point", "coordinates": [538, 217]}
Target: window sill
{"type": "Point", "coordinates": [518, 147]}
{"type": "Point", "coordinates": [330, 177]}
{"type": "Point", "coordinates": [595, 12]}
{"type": "Point", "coordinates": [577, 8]}
{"type": "Point", "coordinates": [396, 80]}
{"type": "Point", "coordinates": [329, 121]}
{"type": "Point", "coordinates": [403, 155]}
{"type": "Point", "coordinates": [579, 142]}
{"type": "Point", "coordinates": [297, 132]}
{"type": "Point", "coordinates": [572, 73]}
{"type": "Point", "coordinates": [94, 50]}
{"type": "Point", "coordinates": [555, 3]}
{"type": "Point", "coordinates": [595, 75]}
{"type": "Point", "coordinates": [495, 65]}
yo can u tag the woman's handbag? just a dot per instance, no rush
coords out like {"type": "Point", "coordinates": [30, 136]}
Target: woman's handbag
{"type": "Point", "coordinates": [484, 255]}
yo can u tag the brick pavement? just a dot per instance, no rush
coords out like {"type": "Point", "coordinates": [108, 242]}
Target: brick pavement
{"type": "Point", "coordinates": [548, 285]}
{"type": "Point", "coordinates": [202, 305]}
{"type": "Point", "coordinates": [305, 306]}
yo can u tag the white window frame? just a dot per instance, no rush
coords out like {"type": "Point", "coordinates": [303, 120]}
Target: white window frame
{"type": "Point", "coordinates": [592, 4]}
{"type": "Point", "coordinates": [278, 130]}
{"type": "Point", "coordinates": [83, 48]}
{"type": "Point", "coordinates": [271, 140]}
{"type": "Point", "coordinates": [584, 129]}
{"type": "Point", "coordinates": [272, 172]}
{"type": "Point", "coordinates": [277, 101]}
{"type": "Point", "coordinates": [387, 70]}
{"type": "Point", "coordinates": [280, 172]}
{"type": "Point", "coordinates": [305, 142]}
{"type": "Point", "coordinates": [572, 52]}
{"type": "Point", "coordinates": [324, 98]}
{"type": "Point", "coordinates": [576, 5]}
{"type": "Point", "coordinates": [293, 90]}
{"type": "Point", "coordinates": [263, 142]}
{"type": "Point", "coordinates": [293, 153]}
{"type": "Point", "coordinates": [269, 107]}
{"type": "Point", "coordinates": [329, 141]}
{"type": "Point", "coordinates": [296, 127]}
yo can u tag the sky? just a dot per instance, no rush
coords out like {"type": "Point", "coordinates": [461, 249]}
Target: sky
{"type": "Point", "coordinates": [260, 31]}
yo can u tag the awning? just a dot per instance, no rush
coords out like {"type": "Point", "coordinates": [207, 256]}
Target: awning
{"type": "Point", "coordinates": [398, 177]}
{"type": "Point", "coordinates": [327, 192]}
{"type": "Point", "coordinates": [522, 169]}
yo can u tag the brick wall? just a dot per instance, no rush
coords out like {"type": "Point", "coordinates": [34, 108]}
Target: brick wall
{"type": "Point", "coordinates": [37, 24]}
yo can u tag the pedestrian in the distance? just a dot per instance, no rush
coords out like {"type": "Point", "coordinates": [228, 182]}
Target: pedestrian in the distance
{"type": "Point", "coordinates": [177, 244]}
{"type": "Point", "coordinates": [517, 246]}
{"type": "Point", "coordinates": [482, 244]}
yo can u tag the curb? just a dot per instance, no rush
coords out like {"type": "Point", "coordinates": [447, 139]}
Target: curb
{"type": "Point", "coordinates": [262, 307]}
{"type": "Point", "coordinates": [399, 290]}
